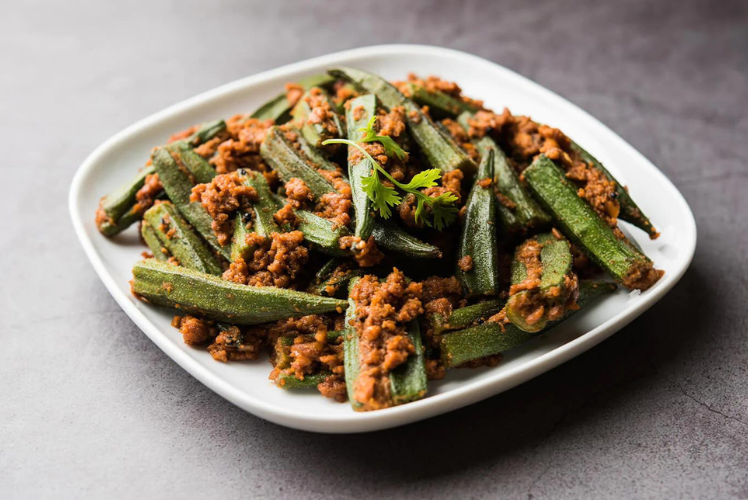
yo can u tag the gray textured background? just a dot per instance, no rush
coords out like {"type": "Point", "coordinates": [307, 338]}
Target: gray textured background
{"type": "Point", "coordinates": [89, 407]}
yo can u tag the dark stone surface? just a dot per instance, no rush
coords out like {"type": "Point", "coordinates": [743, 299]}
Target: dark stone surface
{"type": "Point", "coordinates": [89, 407]}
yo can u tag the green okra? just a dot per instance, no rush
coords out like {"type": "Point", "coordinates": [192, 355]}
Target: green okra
{"type": "Point", "coordinates": [629, 211]}
{"type": "Point", "coordinates": [441, 104]}
{"type": "Point", "coordinates": [361, 109]}
{"type": "Point", "coordinates": [179, 238]}
{"type": "Point", "coordinates": [290, 382]}
{"type": "Point", "coordinates": [523, 214]}
{"type": "Point", "coordinates": [120, 206]}
{"type": "Point", "coordinates": [390, 236]}
{"type": "Point", "coordinates": [578, 221]}
{"type": "Point", "coordinates": [148, 234]}
{"type": "Point", "coordinates": [207, 132]}
{"type": "Point", "coordinates": [478, 241]}
{"type": "Point", "coordinates": [313, 130]}
{"type": "Point", "coordinates": [440, 151]}
{"type": "Point", "coordinates": [556, 264]}
{"type": "Point", "coordinates": [110, 228]}
{"type": "Point", "coordinates": [315, 156]}
{"type": "Point", "coordinates": [178, 181]}
{"type": "Point", "coordinates": [488, 339]}
{"type": "Point", "coordinates": [191, 291]}
{"type": "Point", "coordinates": [120, 201]}
{"type": "Point", "coordinates": [465, 317]}
{"type": "Point", "coordinates": [283, 157]}
{"type": "Point", "coordinates": [283, 360]}
{"type": "Point", "coordinates": [322, 233]}
{"type": "Point", "coordinates": [201, 171]}
{"type": "Point", "coordinates": [261, 220]}
{"type": "Point", "coordinates": [277, 109]}
{"type": "Point", "coordinates": [328, 282]}
{"type": "Point", "coordinates": [409, 381]}
{"type": "Point", "coordinates": [243, 227]}
{"type": "Point", "coordinates": [351, 351]}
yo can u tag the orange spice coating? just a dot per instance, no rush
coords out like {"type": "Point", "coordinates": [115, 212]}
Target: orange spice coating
{"type": "Point", "coordinates": [382, 311]}
{"type": "Point", "coordinates": [222, 197]}
{"type": "Point", "coordinates": [321, 113]}
{"type": "Point", "coordinates": [277, 262]}
{"type": "Point", "coordinates": [524, 139]}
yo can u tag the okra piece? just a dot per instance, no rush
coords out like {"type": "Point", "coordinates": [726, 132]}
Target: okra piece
{"type": "Point", "coordinates": [464, 317]}
{"type": "Point", "coordinates": [283, 360]}
{"type": "Point", "coordinates": [351, 351]}
{"type": "Point", "coordinates": [477, 268]}
{"type": "Point", "coordinates": [488, 339]}
{"type": "Point", "coordinates": [322, 233]}
{"type": "Point", "coordinates": [314, 155]}
{"type": "Point", "coordinates": [201, 171]}
{"type": "Point", "coordinates": [629, 211]}
{"type": "Point", "coordinates": [361, 109]}
{"type": "Point", "coordinates": [178, 180]}
{"type": "Point", "coordinates": [209, 296]}
{"type": "Point", "coordinates": [522, 214]}
{"type": "Point", "coordinates": [262, 220]}
{"type": "Point", "coordinates": [119, 202]}
{"type": "Point", "coordinates": [290, 382]}
{"type": "Point", "coordinates": [277, 109]}
{"type": "Point", "coordinates": [441, 152]}
{"type": "Point", "coordinates": [530, 307]}
{"type": "Point", "coordinates": [283, 157]}
{"type": "Point", "coordinates": [586, 229]}
{"type": "Point", "coordinates": [110, 228]}
{"type": "Point", "coordinates": [148, 234]}
{"type": "Point", "coordinates": [390, 236]}
{"type": "Point", "coordinates": [120, 206]}
{"type": "Point", "coordinates": [311, 125]}
{"type": "Point", "coordinates": [239, 249]}
{"type": "Point", "coordinates": [461, 346]}
{"type": "Point", "coordinates": [409, 381]}
{"type": "Point", "coordinates": [328, 282]}
{"type": "Point", "coordinates": [182, 242]}
{"type": "Point", "coordinates": [441, 104]}
{"type": "Point", "coordinates": [207, 132]}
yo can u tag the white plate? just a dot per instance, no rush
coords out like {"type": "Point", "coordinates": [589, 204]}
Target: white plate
{"type": "Point", "coordinates": [247, 384]}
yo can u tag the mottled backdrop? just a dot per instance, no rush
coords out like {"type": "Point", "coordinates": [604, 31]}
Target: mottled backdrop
{"type": "Point", "coordinates": [89, 407]}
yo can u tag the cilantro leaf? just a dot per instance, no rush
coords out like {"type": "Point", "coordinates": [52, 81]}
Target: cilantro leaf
{"type": "Point", "coordinates": [439, 211]}
{"type": "Point", "coordinates": [383, 197]}
{"type": "Point", "coordinates": [368, 131]}
{"type": "Point", "coordinates": [420, 214]}
{"type": "Point", "coordinates": [425, 179]}
{"type": "Point", "coordinates": [444, 210]}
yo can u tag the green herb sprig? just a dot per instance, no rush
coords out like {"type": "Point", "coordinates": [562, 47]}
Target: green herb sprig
{"type": "Point", "coordinates": [443, 207]}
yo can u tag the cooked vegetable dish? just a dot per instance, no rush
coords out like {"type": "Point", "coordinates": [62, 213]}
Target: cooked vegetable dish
{"type": "Point", "coordinates": [369, 235]}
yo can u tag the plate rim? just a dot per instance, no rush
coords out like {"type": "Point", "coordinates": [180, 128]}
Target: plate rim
{"type": "Point", "coordinates": [400, 415]}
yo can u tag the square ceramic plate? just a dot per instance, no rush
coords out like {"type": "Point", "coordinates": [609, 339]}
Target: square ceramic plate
{"type": "Point", "coordinates": [247, 384]}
